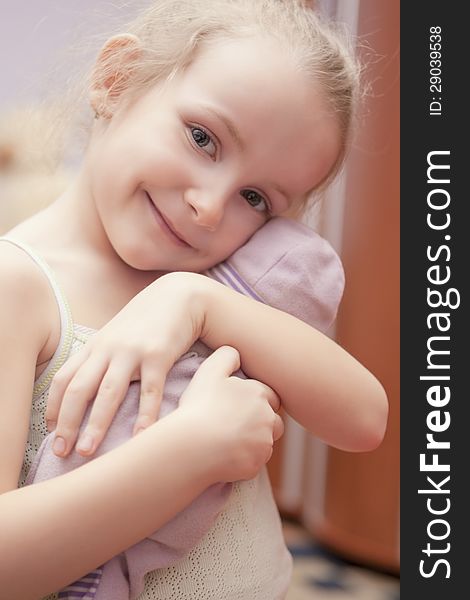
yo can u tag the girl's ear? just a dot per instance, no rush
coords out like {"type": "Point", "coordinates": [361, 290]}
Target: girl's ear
{"type": "Point", "coordinates": [111, 73]}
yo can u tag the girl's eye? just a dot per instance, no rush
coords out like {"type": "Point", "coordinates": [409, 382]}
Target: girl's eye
{"type": "Point", "coordinates": [203, 140]}
{"type": "Point", "coordinates": [255, 200]}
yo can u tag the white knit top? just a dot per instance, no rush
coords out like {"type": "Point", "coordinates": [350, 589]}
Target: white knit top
{"type": "Point", "coordinates": [242, 557]}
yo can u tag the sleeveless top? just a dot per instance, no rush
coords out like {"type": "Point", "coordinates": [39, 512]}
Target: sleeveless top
{"type": "Point", "coordinates": [242, 557]}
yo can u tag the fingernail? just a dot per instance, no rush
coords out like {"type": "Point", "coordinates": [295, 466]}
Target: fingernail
{"type": "Point", "coordinates": [51, 425]}
{"type": "Point", "coordinates": [59, 446]}
{"type": "Point", "coordinates": [85, 443]}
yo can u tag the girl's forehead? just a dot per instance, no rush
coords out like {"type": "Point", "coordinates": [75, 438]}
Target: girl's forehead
{"type": "Point", "coordinates": [250, 55]}
{"type": "Point", "coordinates": [250, 74]}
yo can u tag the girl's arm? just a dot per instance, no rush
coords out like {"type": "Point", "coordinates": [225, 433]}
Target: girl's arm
{"type": "Point", "coordinates": [321, 386]}
{"type": "Point", "coordinates": [53, 532]}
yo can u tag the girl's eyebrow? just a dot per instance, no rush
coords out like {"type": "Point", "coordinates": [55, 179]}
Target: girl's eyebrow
{"type": "Point", "coordinates": [229, 125]}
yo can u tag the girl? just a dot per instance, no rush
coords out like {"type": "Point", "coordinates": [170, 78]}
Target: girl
{"type": "Point", "coordinates": [211, 118]}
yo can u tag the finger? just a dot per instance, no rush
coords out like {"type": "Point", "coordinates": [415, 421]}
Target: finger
{"type": "Point", "coordinates": [269, 394]}
{"type": "Point", "coordinates": [224, 361]}
{"type": "Point", "coordinates": [274, 400]}
{"type": "Point", "coordinates": [151, 393]}
{"type": "Point", "coordinates": [59, 384]}
{"type": "Point", "coordinates": [109, 397]}
{"type": "Point", "coordinates": [278, 428]}
{"type": "Point", "coordinates": [80, 391]}
{"type": "Point", "coordinates": [269, 454]}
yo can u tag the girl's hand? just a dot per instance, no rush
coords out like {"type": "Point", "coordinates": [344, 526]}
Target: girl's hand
{"type": "Point", "coordinates": [238, 416]}
{"type": "Point", "coordinates": [143, 341]}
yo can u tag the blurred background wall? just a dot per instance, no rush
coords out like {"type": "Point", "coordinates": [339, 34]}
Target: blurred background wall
{"type": "Point", "coordinates": [42, 44]}
{"type": "Point", "coordinates": [35, 37]}
{"type": "Point", "coordinates": [350, 502]}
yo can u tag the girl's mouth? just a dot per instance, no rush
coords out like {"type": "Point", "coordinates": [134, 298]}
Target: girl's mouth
{"type": "Point", "coordinates": [166, 226]}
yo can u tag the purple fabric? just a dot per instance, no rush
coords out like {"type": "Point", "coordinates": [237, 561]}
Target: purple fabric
{"type": "Point", "coordinates": [288, 266]}
{"type": "Point", "coordinates": [123, 576]}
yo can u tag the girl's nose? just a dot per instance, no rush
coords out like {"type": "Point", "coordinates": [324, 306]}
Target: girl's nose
{"type": "Point", "coordinates": [207, 207]}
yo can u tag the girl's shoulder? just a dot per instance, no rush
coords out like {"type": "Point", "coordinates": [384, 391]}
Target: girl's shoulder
{"type": "Point", "coordinates": [27, 303]}
{"type": "Point", "coordinates": [24, 333]}
{"type": "Point", "coordinates": [20, 279]}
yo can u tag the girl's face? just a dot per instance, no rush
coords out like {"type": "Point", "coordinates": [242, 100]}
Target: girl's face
{"type": "Point", "coordinates": [187, 173]}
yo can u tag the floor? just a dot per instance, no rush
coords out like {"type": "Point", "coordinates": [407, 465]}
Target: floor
{"type": "Point", "coordinates": [319, 575]}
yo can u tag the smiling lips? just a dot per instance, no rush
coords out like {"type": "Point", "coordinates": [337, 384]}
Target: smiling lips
{"type": "Point", "coordinates": [166, 226]}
